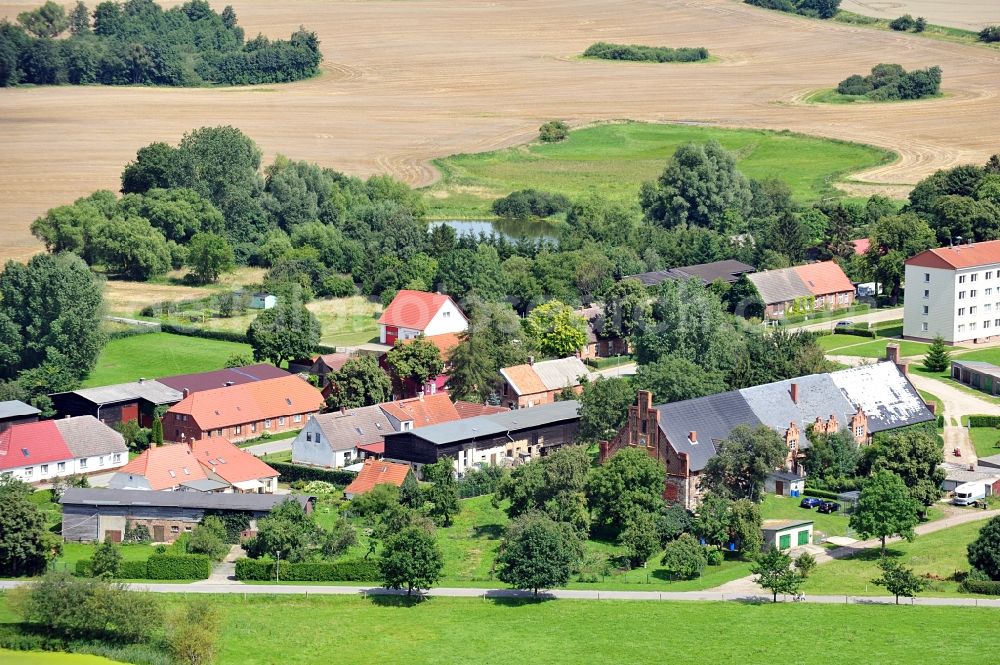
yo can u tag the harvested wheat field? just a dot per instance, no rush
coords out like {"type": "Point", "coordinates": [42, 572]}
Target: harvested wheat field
{"type": "Point", "coordinates": [967, 14]}
{"type": "Point", "coordinates": [405, 82]}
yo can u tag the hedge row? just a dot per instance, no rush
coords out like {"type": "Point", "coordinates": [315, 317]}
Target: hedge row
{"type": "Point", "coordinates": [132, 332]}
{"type": "Point", "coordinates": [355, 570]}
{"type": "Point", "coordinates": [821, 494]}
{"type": "Point", "coordinates": [984, 421]}
{"type": "Point", "coordinates": [984, 587]}
{"type": "Point", "coordinates": [292, 472]}
{"type": "Point", "coordinates": [191, 331]}
{"type": "Point", "coordinates": [158, 567]}
{"type": "Point", "coordinates": [854, 331]}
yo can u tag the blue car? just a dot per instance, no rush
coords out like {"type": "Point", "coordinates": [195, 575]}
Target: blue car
{"type": "Point", "coordinates": [810, 502]}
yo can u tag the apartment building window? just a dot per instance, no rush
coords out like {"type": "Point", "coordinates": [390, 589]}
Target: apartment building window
{"type": "Point", "coordinates": [972, 293]}
{"type": "Point", "coordinates": [961, 279]}
{"type": "Point", "coordinates": [987, 307]}
{"type": "Point", "coordinates": [989, 274]}
{"type": "Point", "coordinates": [988, 292]}
{"type": "Point", "coordinates": [972, 326]}
{"type": "Point", "coordinates": [926, 308]}
{"type": "Point", "coordinates": [973, 276]}
{"type": "Point", "coordinates": [986, 324]}
{"type": "Point", "coordinates": [927, 277]}
{"type": "Point", "coordinates": [996, 323]}
{"type": "Point", "coordinates": [927, 294]}
{"type": "Point", "coordinates": [61, 466]}
{"type": "Point", "coordinates": [961, 295]}
{"type": "Point", "coordinates": [923, 327]}
{"type": "Point", "coordinates": [961, 311]}
{"type": "Point", "coordinates": [972, 310]}
{"type": "Point", "coordinates": [961, 327]}
{"type": "Point", "coordinates": [43, 469]}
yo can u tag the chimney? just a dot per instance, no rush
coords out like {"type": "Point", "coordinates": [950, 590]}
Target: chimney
{"type": "Point", "coordinates": [693, 436]}
{"type": "Point", "coordinates": [185, 392]}
{"type": "Point", "coordinates": [892, 353]}
{"type": "Point", "coordinates": [932, 407]}
{"type": "Point", "coordinates": [795, 392]}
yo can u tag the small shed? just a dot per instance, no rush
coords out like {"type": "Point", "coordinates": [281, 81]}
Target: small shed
{"type": "Point", "coordinates": [849, 500]}
{"type": "Point", "coordinates": [787, 534]}
{"type": "Point", "coordinates": [263, 301]}
{"type": "Point", "coordinates": [784, 483]}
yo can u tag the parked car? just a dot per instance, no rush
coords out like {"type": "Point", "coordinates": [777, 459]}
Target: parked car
{"type": "Point", "coordinates": [828, 507]}
{"type": "Point", "coordinates": [810, 502]}
{"type": "Point", "coordinates": [845, 324]}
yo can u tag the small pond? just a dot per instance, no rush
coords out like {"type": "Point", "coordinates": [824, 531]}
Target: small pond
{"type": "Point", "coordinates": [509, 228]}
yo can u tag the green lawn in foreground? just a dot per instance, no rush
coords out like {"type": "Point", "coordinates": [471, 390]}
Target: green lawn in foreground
{"type": "Point", "coordinates": [613, 160]}
{"type": "Point", "coordinates": [985, 440]}
{"type": "Point", "coordinates": [159, 354]}
{"type": "Point", "coordinates": [49, 658]}
{"type": "Point", "coordinates": [850, 345]}
{"type": "Point", "coordinates": [787, 508]}
{"type": "Point", "coordinates": [941, 554]}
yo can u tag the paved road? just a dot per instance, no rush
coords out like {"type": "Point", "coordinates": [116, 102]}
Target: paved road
{"type": "Point", "coordinates": [259, 449]}
{"type": "Point", "coordinates": [957, 403]}
{"type": "Point", "coordinates": [873, 317]}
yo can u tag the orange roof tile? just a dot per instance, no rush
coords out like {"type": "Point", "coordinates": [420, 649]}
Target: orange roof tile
{"type": "Point", "coordinates": [169, 465]}
{"type": "Point", "coordinates": [824, 277]}
{"type": "Point", "coordinates": [960, 256]}
{"type": "Point", "coordinates": [234, 405]}
{"type": "Point", "coordinates": [523, 379]}
{"type": "Point", "coordinates": [377, 472]}
{"type": "Point", "coordinates": [412, 309]}
{"type": "Point", "coordinates": [861, 245]}
{"type": "Point", "coordinates": [229, 462]}
{"type": "Point", "coordinates": [445, 342]}
{"type": "Point", "coordinates": [473, 410]}
{"type": "Point", "coordinates": [422, 410]}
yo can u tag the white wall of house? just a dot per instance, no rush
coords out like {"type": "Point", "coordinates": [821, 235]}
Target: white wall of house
{"type": "Point", "coordinates": [449, 319]}
{"type": "Point", "coordinates": [45, 471]}
{"type": "Point", "coordinates": [470, 457]}
{"type": "Point", "coordinates": [960, 305]}
{"type": "Point", "coordinates": [312, 447]}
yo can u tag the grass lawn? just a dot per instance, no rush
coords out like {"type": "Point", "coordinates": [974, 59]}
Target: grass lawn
{"type": "Point", "coordinates": [940, 554]}
{"type": "Point", "coordinates": [831, 96]}
{"type": "Point", "coordinates": [929, 397]}
{"type": "Point", "coordinates": [985, 439]}
{"type": "Point", "coordinates": [73, 552]}
{"type": "Point", "coordinates": [613, 160]}
{"type": "Point", "coordinates": [50, 658]}
{"type": "Point", "coordinates": [159, 354]}
{"type": "Point", "coordinates": [851, 345]}
{"type": "Point", "coordinates": [787, 508]}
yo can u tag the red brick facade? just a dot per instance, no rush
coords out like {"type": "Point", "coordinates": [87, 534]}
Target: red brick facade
{"type": "Point", "coordinates": [182, 427]}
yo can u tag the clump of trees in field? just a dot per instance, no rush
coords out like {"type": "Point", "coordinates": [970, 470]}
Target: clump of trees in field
{"type": "Point", "coordinates": [528, 203]}
{"type": "Point", "coordinates": [553, 131]}
{"type": "Point", "coordinates": [814, 8]}
{"type": "Point", "coordinates": [638, 52]}
{"type": "Point", "coordinates": [891, 82]}
{"type": "Point", "coordinates": [907, 23]}
{"type": "Point", "coordinates": [138, 42]}
{"type": "Point", "coordinates": [989, 34]}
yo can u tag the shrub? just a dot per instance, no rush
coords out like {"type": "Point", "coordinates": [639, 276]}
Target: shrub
{"type": "Point", "coordinates": [190, 331]}
{"type": "Point", "coordinates": [990, 33]}
{"type": "Point", "coordinates": [107, 559]}
{"type": "Point", "coordinates": [903, 23]}
{"type": "Point", "coordinates": [854, 331]}
{"type": "Point", "coordinates": [684, 558]}
{"type": "Point", "coordinates": [351, 570]}
{"type": "Point", "coordinates": [984, 421]}
{"type": "Point", "coordinates": [891, 81]}
{"type": "Point", "coordinates": [635, 52]}
{"type": "Point", "coordinates": [984, 587]}
{"type": "Point", "coordinates": [530, 203]}
{"type": "Point", "coordinates": [920, 24]}
{"type": "Point", "coordinates": [291, 472]}
{"type": "Point", "coordinates": [553, 131]}
{"type": "Point", "coordinates": [820, 494]}
{"type": "Point", "coordinates": [178, 567]}
{"type": "Point", "coordinates": [814, 8]}
{"type": "Point", "coordinates": [477, 482]}
{"type": "Point", "coordinates": [715, 557]}
{"type": "Point", "coordinates": [805, 564]}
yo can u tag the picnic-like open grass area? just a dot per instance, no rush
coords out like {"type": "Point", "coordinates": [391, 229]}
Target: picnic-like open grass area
{"type": "Point", "coordinates": [864, 347]}
{"type": "Point", "coordinates": [159, 354]}
{"type": "Point", "coordinates": [50, 658]}
{"type": "Point", "coordinates": [613, 160]}
{"type": "Point", "coordinates": [986, 440]}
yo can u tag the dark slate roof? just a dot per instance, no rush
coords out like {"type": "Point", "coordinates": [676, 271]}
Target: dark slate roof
{"type": "Point", "coordinates": [886, 395]}
{"type": "Point", "coordinates": [712, 417]}
{"type": "Point", "coordinates": [651, 278]}
{"type": "Point", "coordinates": [234, 376]}
{"type": "Point", "coordinates": [501, 423]}
{"type": "Point", "coordinates": [15, 409]}
{"type": "Point", "coordinates": [198, 500]}
{"type": "Point", "coordinates": [728, 271]}
{"type": "Point", "coordinates": [151, 391]}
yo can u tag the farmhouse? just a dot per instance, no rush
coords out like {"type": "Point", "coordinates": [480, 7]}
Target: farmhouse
{"type": "Point", "coordinates": [15, 412]}
{"type": "Point", "coordinates": [534, 383]}
{"type": "Point", "coordinates": [599, 345]}
{"type": "Point", "coordinates": [40, 451]}
{"type": "Point", "coordinates": [118, 403]}
{"type": "Point", "coordinates": [336, 439]}
{"type": "Point", "coordinates": [953, 292]}
{"type": "Point", "coordinates": [803, 289]}
{"type": "Point", "coordinates": [230, 376]}
{"type": "Point", "coordinates": [377, 472]}
{"type": "Point", "coordinates": [97, 514]}
{"type": "Point", "coordinates": [862, 400]}
{"type": "Point", "coordinates": [728, 271]}
{"type": "Point", "coordinates": [504, 438]}
{"type": "Point", "coordinates": [208, 465]}
{"type": "Point", "coordinates": [413, 313]}
{"type": "Point", "coordinates": [241, 412]}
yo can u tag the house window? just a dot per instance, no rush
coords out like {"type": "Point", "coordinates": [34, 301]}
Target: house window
{"type": "Point", "coordinates": [175, 529]}
{"type": "Point", "coordinates": [281, 421]}
{"type": "Point", "coordinates": [43, 469]}
{"type": "Point", "coordinates": [859, 431]}
{"type": "Point", "coordinates": [100, 461]}
{"type": "Point", "coordinates": [267, 423]}
{"type": "Point", "coordinates": [61, 466]}
{"type": "Point", "coordinates": [218, 432]}
{"type": "Point", "coordinates": [297, 418]}
{"type": "Point", "coordinates": [253, 427]}
{"type": "Point", "coordinates": [117, 457]}
{"type": "Point", "coordinates": [29, 471]}
{"type": "Point", "coordinates": [309, 437]}
{"type": "Point", "coordinates": [83, 462]}
{"type": "Point", "coordinates": [927, 293]}
{"type": "Point", "coordinates": [446, 314]}
{"type": "Point", "coordinates": [923, 327]}
{"type": "Point", "coordinates": [927, 277]}
{"type": "Point", "coordinates": [319, 439]}
{"type": "Point", "coordinates": [926, 309]}
{"type": "Point", "coordinates": [238, 429]}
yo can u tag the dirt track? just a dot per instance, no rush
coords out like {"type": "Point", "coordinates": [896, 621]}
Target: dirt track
{"type": "Point", "coordinates": [405, 82]}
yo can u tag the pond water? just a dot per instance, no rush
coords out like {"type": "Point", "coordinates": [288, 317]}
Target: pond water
{"type": "Point", "coordinates": [508, 228]}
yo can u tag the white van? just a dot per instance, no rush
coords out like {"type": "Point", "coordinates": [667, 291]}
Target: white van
{"type": "Point", "coordinates": [967, 494]}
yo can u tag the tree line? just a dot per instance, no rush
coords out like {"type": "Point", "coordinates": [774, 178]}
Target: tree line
{"type": "Point", "coordinates": [813, 8]}
{"type": "Point", "coordinates": [137, 42]}
{"type": "Point", "coordinates": [640, 53]}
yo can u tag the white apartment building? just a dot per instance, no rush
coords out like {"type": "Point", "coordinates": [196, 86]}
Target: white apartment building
{"type": "Point", "coordinates": [954, 292]}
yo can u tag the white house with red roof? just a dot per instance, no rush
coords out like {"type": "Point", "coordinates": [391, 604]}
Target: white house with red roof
{"type": "Point", "coordinates": [953, 292]}
{"type": "Point", "coordinates": [41, 451]}
{"type": "Point", "coordinates": [413, 313]}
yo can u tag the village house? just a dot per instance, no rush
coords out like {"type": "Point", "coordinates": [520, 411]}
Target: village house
{"type": "Point", "coordinates": [498, 439]}
{"type": "Point", "coordinates": [413, 313]}
{"type": "Point", "coordinates": [40, 451]}
{"type": "Point", "coordinates": [598, 345]}
{"type": "Point", "coordinates": [444, 342]}
{"type": "Point", "coordinates": [377, 472]}
{"type": "Point", "coordinates": [803, 289]}
{"type": "Point", "coordinates": [728, 271]}
{"type": "Point", "coordinates": [91, 515]}
{"type": "Point", "coordinates": [118, 403]}
{"type": "Point", "coordinates": [246, 411]}
{"type": "Point", "coordinates": [536, 383]}
{"type": "Point", "coordinates": [14, 412]}
{"type": "Point", "coordinates": [208, 465]}
{"type": "Point", "coordinates": [683, 435]}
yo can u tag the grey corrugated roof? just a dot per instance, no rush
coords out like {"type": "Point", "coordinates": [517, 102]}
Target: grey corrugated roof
{"type": "Point", "coordinates": [151, 391]}
{"type": "Point", "coordinates": [491, 425]}
{"type": "Point", "coordinates": [562, 372]}
{"type": "Point", "coordinates": [197, 500]}
{"type": "Point", "coordinates": [86, 436]}
{"type": "Point", "coordinates": [205, 484]}
{"type": "Point", "coordinates": [777, 286]}
{"type": "Point", "coordinates": [728, 271]}
{"type": "Point", "coordinates": [355, 427]}
{"type": "Point", "coordinates": [818, 397]}
{"type": "Point", "coordinates": [712, 417]}
{"type": "Point", "coordinates": [14, 408]}
{"type": "Point", "coordinates": [988, 369]}
{"type": "Point", "coordinates": [886, 396]}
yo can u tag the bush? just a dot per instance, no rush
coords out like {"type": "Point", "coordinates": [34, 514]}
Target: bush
{"type": "Point", "coordinates": [890, 82]}
{"type": "Point", "coordinates": [477, 482]}
{"type": "Point", "coordinates": [684, 558]}
{"type": "Point", "coordinates": [291, 472]}
{"type": "Point", "coordinates": [984, 587]}
{"type": "Point", "coordinates": [820, 494]}
{"type": "Point", "coordinates": [854, 331]}
{"type": "Point", "coordinates": [716, 557]}
{"type": "Point", "coordinates": [903, 23]}
{"type": "Point", "coordinates": [528, 203]}
{"type": "Point", "coordinates": [814, 8]}
{"type": "Point", "coordinates": [553, 131]}
{"type": "Point", "coordinates": [990, 33]}
{"type": "Point", "coordinates": [351, 570]}
{"type": "Point", "coordinates": [636, 52]}
{"type": "Point", "coordinates": [178, 567]}
{"type": "Point", "coordinates": [984, 421]}
{"type": "Point", "coordinates": [191, 331]}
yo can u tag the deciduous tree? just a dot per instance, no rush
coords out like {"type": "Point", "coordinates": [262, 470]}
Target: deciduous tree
{"type": "Point", "coordinates": [556, 328]}
{"type": "Point", "coordinates": [603, 407]}
{"type": "Point", "coordinates": [26, 546]}
{"type": "Point", "coordinates": [885, 508]}
{"type": "Point", "coordinates": [673, 379]}
{"type": "Point", "coordinates": [684, 558]}
{"type": "Point", "coordinates": [443, 490]}
{"type": "Point", "coordinates": [774, 573]}
{"type": "Point", "coordinates": [415, 361]}
{"type": "Point", "coordinates": [915, 455]}
{"type": "Point", "coordinates": [984, 551]}
{"type": "Point", "coordinates": [898, 579]}
{"type": "Point", "coordinates": [359, 382]}
{"type": "Point", "coordinates": [284, 332]}
{"type": "Point", "coordinates": [411, 560]}
{"type": "Point", "coordinates": [629, 482]}
{"type": "Point", "coordinates": [537, 553]}
{"type": "Point", "coordinates": [742, 462]}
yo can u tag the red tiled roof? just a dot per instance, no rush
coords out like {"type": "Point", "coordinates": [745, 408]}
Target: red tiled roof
{"type": "Point", "coordinates": [523, 379]}
{"type": "Point", "coordinates": [824, 277]}
{"type": "Point", "coordinates": [32, 443]}
{"type": "Point", "coordinates": [270, 398]}
{"type": "Point", "coordinates": [377, 472]}
{"type": "Point", "coordinates": [473, 410]}
{"type": "Point", "coordinates": [412, 309]}
{"type": "Point", "coordinates": [445, 342]}
{"type": "Point", "coordinates": [423, 410]}
{"type": "Point", "coordinates": [373, 448]}
{"type": "Point", "coordinates": [861, 245]}
{"type": "Point", "coordinates": [960, 256]}
{"type": "Point", "coordinates": [333, 361]}
{"type": "Point", "coordinates": [169, 465]}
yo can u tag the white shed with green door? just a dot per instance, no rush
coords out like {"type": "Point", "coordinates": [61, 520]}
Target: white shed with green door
{"type": "Point", "coordinates": [787, 534]}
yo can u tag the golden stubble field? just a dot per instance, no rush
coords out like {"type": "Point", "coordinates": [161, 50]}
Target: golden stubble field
{"type": "Point", "coordinates": [405, 82]}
